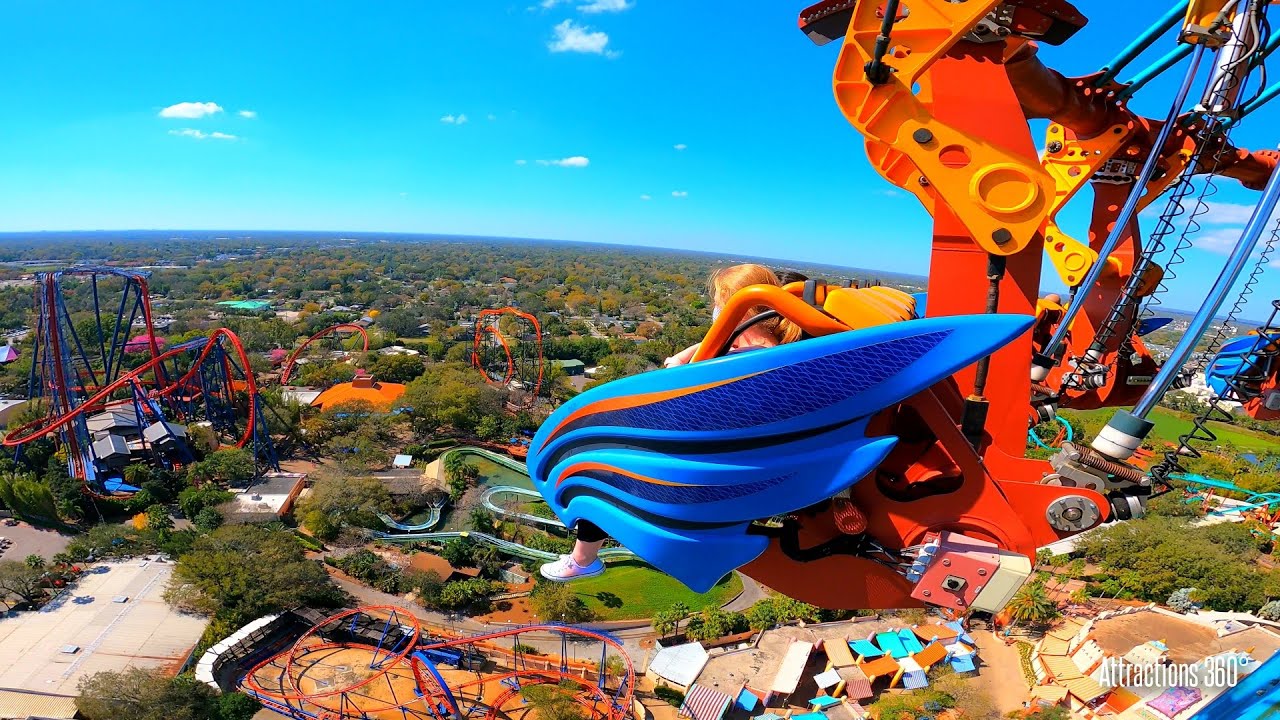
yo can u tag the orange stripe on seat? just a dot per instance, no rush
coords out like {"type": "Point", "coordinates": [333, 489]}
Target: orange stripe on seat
{"type": "Point", "coordinates": [588, 465]}
{"type": "Point", "coordinates": [630, 401]}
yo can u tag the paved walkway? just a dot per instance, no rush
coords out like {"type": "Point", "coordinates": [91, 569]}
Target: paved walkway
{"type": "Point", "coordinates": [752, 593]}
{"type": "Point", "coordinates": [633, 639]}
{"type": "Point", "coordinates": [30, 540]}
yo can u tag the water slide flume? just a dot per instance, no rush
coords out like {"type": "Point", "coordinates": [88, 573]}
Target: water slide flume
{"type": "Point", "coordinates": [419, 532]}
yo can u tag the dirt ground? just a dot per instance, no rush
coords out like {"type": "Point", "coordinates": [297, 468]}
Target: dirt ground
{"type": "Point", "coordinates": [29, 540]}
{"type": "Point", "coordinates": [1188, 641]}
{"type": "Point", "coordinates": [517, 611]}
{"type": "Point", "coordinates": [1000, 672]}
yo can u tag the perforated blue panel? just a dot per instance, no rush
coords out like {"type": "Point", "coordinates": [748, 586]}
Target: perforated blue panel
{"type": "Point", "coordinates": [684, 493]}
{"type": "Point", "coordinates": [755, 400]}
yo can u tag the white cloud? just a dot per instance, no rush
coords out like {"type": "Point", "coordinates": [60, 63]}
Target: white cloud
{"type": "Point", "coordinates": [548, 4]}
{"type": "Point", "coordinates": [1224, 213]}
{"type": "Point", "coordinates": [679, 193]}
{"type": "Point", "coordinates": [606, 6]}
{"type": "Point", "coordinates": [1222, 240]}
{"type": "Point", "coordinates": [459, 119]}
{"type": "Point", "coordinates": [404, 194]}
{"type": "Point", "coordinates": [491, 116]}
{"type": "Point", "coordinates": [576, 161]}
{"type": "Point", "coordinates": [572, 37]}
{"type": "Point", "coordinates": [250, 114]}
{"type": "Point", "coordinates": [680, 146]}
{"type": "Point", "coordinates": [191, 110]}
{"type": "Point", "coordinates": [645, 197]}
{"type": "Point", "coordinates": [201, 135]}
{"type": "Point", "coordinates": [1217, 240]}
{"type": "Point", "coordinates": [522, 162]}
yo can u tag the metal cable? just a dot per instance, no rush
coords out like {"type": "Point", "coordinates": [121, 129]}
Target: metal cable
{"type": "Point", "coordinates": [1174, 209]}
{"type": "Point", "coordinates": [1258, 359]}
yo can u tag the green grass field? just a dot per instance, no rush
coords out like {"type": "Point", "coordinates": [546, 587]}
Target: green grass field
{"type": "Point", "coordinates": [644, 591]}
{"type": "Point", "coordinates": [1170, 425]}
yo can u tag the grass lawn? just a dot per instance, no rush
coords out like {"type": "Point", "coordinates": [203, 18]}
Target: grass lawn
{"type": "Point", "coordinates": [644, 591]}
{"type": "Point", "coordinates": [1170, 425]}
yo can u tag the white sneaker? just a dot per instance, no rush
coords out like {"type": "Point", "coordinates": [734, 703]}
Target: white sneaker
{"type": "Point", "coordinates": [566, 569]}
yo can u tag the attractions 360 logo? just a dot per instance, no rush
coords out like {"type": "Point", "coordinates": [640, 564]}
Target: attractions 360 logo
{"type": "Point", "coordinates": [1118, 673]}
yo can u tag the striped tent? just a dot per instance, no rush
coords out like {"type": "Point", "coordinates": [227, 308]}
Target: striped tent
{"type": "Point", "coordinates": [704, 703]}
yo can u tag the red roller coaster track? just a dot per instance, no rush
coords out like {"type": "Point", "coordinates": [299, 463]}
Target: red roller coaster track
{"type": "Point", "coordinates": [349, 701]}
{"type": "Point", "coordinates": [526, 367]}
{"type": "Point", "coordinates": [45, 426]}
{"type": "Point", "coordinates": [286, 371]}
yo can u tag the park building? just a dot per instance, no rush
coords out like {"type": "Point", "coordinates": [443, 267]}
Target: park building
{"type": "Point", "coordinates": [364, 388]}
{"type": "Point", "coordinates": [1079, 665]}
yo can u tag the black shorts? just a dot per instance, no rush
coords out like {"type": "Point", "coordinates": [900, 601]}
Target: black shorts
{"type": "Point", "coordinates": [589, 531]}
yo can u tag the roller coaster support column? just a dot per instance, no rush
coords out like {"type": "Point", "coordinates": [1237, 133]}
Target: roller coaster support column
{"type": "Point", "coordinates": [1042, 364]}
{"type": "Point", "coordinates": [1126, 430]}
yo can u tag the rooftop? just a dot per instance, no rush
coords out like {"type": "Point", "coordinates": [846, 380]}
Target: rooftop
{"type": "Point", "coordinates": [143, 631]}
{"type": "Point", "coordinates": [246, 304]}
{"type": "Point", "coordinates": [25, 704]}
{"type": "Point", "coordinates": [364, 388]}
{"type": "Point", "coordinates": [269, 494]}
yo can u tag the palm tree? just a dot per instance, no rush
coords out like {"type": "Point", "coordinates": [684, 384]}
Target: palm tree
{"type": "Point", "coordinates": [1032, 605]}
{"type": "Point", "coordinates": [453, 463]}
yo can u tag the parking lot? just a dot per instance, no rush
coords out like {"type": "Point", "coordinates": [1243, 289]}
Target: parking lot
{"type": "Point", "coordinates": [28, 540]}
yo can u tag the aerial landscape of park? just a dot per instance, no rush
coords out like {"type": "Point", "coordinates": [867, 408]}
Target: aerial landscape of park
{"type": "Point", "coordinates": [608, 359]}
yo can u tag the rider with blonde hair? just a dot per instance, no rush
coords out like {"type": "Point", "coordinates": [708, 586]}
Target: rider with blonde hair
{"type": "Point", "coordinates": [584, 561]}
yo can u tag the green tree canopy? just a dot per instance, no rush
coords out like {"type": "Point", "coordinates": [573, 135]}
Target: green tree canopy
{"type": "Point", "coordinates": [239, 573]}
{"type": "Point", "coordinates": [21, 581]}
{"type": "Point", "coordinates": [1153, 558]}
{"type": "Point", "coordinates": [232, 467]}
{"type": "Point", "coordinates": [557, 602]}
{"type": "Point", "coordinates": [147, 694]}
{"type": "Point", "coordinates": [336, 501]}
{"type": "Point", "coordinates": [451, 395]}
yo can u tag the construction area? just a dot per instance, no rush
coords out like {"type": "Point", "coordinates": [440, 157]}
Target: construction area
{"type": "Point", "coordinates": [378, 662]}
{"type": "Point", "coordinates": [114, 617]}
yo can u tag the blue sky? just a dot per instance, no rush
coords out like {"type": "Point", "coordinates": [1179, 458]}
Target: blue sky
{"type": "Point", "coordinates": [690, 125]}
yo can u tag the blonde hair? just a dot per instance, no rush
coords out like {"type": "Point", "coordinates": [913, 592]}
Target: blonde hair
{"type": "Point", "coordinates": [725, 282]}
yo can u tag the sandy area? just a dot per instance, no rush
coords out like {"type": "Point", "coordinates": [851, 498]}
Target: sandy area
{"type": "Point", "coordinates": [1000, 672]}
{"type": "Point", "coordinates": [1188, 640]}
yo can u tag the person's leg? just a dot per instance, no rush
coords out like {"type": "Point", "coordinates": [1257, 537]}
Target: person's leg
{"type": "Point", "coordinates": [590, 540]}
{"type": "Point", "coordinates": [582, 562]}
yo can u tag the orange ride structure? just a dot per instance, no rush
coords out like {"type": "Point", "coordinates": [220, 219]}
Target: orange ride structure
{"type": "Point", "coordinates": [507, 350]}
{"type": "Point", "coordinates": [85, 364]}
{"type": "Point", "coordinates": [378, 662]}
{"type": "Point", "coordinates": [291, 362]}
{"type": "Point", "coordinates": [942, 93]}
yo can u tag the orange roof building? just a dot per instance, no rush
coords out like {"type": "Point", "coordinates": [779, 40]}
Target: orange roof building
{"type": "Point", "coordinates": [882, 667]}
{"type": "Point", "coordinates": [930, 656]}
{"type": "Point", "coordinates": [362, 389]}
{"type": "Point", "coordinates": [426, 562]}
